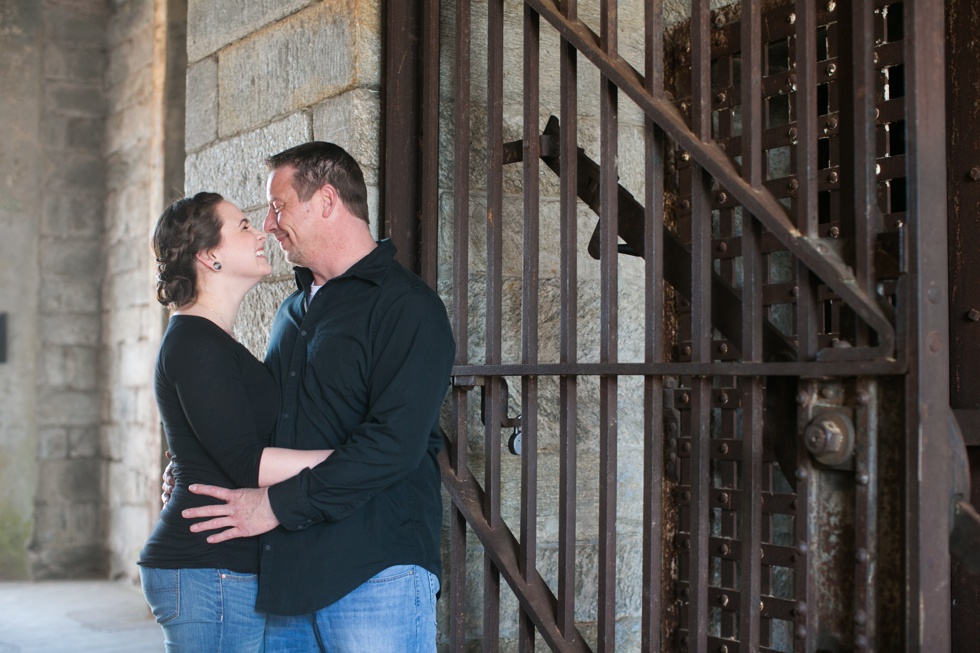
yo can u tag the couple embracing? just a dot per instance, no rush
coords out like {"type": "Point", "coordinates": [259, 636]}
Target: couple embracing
{"type": "Point", "coordinates": [305, 510]}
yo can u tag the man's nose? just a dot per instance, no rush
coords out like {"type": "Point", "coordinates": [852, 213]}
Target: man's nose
{"type": "Point", "coordinates": [271, 221]}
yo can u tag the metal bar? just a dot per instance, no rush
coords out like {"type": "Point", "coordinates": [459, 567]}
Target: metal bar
{"type": "Point", "coordinates": [858, 182]}
{"type": "Point", "coordinates": [534, 595]}
{"type": "Point", "coordinates": [653, 450]}
{"type": "Point", "coordinates": [527, 555]}
{"type": "Point", "coordinates": [494, 292]}
{"type": "Point", "coordinates": [804, 587]}
{"type": "Point", "coordinates": [753, 395]}
{"type": "Point", "coordinates": [694, 368]}
{"type": "Point", "coordinates": [568, 354]}
{"type": "Point", "coordinates": [701, 262]}
{"type": "Point", "coordinates": [806, 170]}
{"type": "Point", "coordinates": [401, 131]}
{"type": "Point", "coordinates": [819, 258]}
{"type": "Point", "coordinates": [608, 340]}
{"type": "Point", "coordinates": [429, 156]}
{"type": "Point", "coordinates": [866, 513]}
{"type": "Point", "coordinates": [928, 445]}
{"type": "Point", "coordinates": [461, 273]}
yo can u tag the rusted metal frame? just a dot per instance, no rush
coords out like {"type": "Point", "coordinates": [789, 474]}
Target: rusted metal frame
{"type": "Point", "coordinates": [753, 395]}
{"type": "Point", "coordinates": [866, 512]}
{"type": "Point", "coordinates": [568, 346]}
{"type": "Point", "coordinates": [701, 350]}
{"type": "Point", "coordinates": [806, 170]}
{"type": "Point", "coordinates": [694, 368]}
{"type": "Point", "coordinates": [429, 156]}
{"type": "Point", "coordinates": [858, 180]}
{"type": "Point", "coordinates": [460, 292]}
{"type": "Point", "coordinates": [804, 579]}
{"type": "Point", "coordinates": [819, 258]}
{"type": "Point", "coordinates": [401, 130]}
{"type": "Point", "coordinates": [653, 409]}
{"type": "Point", "coordinates": [527, 555]}
{"type": "Point", "coordinates": [608, 339]}
{"type": "Point", "coordinates": [533, 593]}
{"type": "Point", "coordinates": [494, 310]}
{"type": "Point", "coordinates": [928, 445]}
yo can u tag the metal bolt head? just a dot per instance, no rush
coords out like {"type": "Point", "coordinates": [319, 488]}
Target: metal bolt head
{"type": "Point", "coordinates": [835, 232]}
{"type": "Point", "coordinates": [831, 69]}
{"type": "Point", "coordinates": [833, 177]}
{"type": "Point", "coordinates": [975, 173]}
{"type": "Point", "coordinates": [973, 315]}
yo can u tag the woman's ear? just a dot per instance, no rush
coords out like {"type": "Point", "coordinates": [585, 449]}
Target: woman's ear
{"type": "Point", "coordinates": [205, 258]}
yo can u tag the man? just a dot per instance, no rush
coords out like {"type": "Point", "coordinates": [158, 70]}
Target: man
{"type": "Point", "coordinates": [362, 352]}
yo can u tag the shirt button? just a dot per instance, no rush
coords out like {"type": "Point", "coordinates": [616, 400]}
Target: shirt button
{"type": "Point", "coordinates": [303, 332]}
{"type": "Point", "coordinates": [292, 373]}
{"type": "Point", "coordinates": [268, 547]}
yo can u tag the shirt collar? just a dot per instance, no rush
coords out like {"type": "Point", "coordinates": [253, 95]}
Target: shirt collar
{"type": "Point", "coordinates": [370, 268]}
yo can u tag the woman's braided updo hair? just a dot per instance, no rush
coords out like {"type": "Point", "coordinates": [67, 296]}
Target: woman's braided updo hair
{"type": "Point", "coordinates": [186, 227]}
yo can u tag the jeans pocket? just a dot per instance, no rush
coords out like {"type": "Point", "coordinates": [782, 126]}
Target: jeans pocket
{"type": "Point", "coordinates": [161, 588]}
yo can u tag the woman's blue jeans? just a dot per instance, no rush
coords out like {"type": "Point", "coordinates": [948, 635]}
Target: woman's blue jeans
{"type": "Point", "coordinates": [394, 612]}
{"type": "Point", "coordinates": [206, 610]}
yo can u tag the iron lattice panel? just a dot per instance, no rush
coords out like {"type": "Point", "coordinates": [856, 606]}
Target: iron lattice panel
{"type": "Point", "coordinates": [784, 560]}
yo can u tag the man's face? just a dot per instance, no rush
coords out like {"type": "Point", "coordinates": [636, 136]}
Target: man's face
{"type": "Point", "coordinates": [289, 220]}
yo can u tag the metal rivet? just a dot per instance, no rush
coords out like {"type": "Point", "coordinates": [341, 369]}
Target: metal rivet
{"type": "Point", "coordinates": [831, 69]}
{"type": "Point", "coordinates": [791, 19]}
{"type": "Point", "coordinates": [685, 156]}
{"type": "Point", "coordinates": [723, 348]}
{"type": "Point", "coordinates": [834, 232]}
{"type": "Point", "coordinates": [792, 133]}
{"type": "Point", "coordinates": [801, 474]}
{"type": "Point", "coordinates": [723, 497]}
{"type": "Point", "coordinates": [861, 643]}
{"type": "Point", "coordinates": [722, 448]}
{"type": "Point", "coordinates": [722, 247]}
{"type": "Point", "coordinates": [720, 20]}
{"type": "Point", "coordinates": [793, 184]}
{"type": "Point", "coordinates": [801, 632]}
{"type": "Point", "coordinates": [720, 97]}
{"type": "Point", "coordinates": [686, 544]}
{"type": "Point", "coordinates": [864, 398]}
{"type": "Point", "coordinates": [686, 447]}
{"type": "Point", "coordinates": [828, 392]}
{"type": "Point", "coordinates": [794, 291]}
{"type": "Point", "coordinates": [686, 495]}
{"type": "Point", "coordinates": [803, 398]}
{"type": "Point", "coordinates": [723, 600]}
{"type": "Point", "coordinates": [975, 173]}
{"type": "Point", "coordinates": [800, 608]}
{"type": "Point", "coordinates": [672, 427]}
{"type": "Point", "coordinates": [973, 315]}
{"type": "Point", "coordinates": [724, 550]}
{"type": "Point", "coordinates": [862, 479]}
{"type": "Point", "coordinates": [862, 555]}
{"type": "Point", "coordinates": [833, 177]}
{"type": "Point", "coordinates": [684, 205]}
{"type": "Point", "coordinates": [686, 398]}
{"type": "Point", "coordinates": [802, 547]}
{"type": "Point", "coordinates": [723, 398]}
{"type": "Point", "coordinates": [860, 617]}
{"type": "Point", "coordinates": [722, 197]}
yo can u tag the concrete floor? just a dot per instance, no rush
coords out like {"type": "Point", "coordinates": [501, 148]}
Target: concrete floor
{"type": "Point", "coordinates": [76, 616]}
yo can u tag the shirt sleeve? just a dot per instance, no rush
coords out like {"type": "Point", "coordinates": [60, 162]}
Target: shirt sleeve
{"type": "Point", "coordinates": [414, 351]}
{"type": "Point", "coordinates": [210, 382]}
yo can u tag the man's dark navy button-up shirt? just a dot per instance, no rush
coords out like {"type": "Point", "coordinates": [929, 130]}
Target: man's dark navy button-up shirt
{"type": "Point", "coordinates": [363, 371]}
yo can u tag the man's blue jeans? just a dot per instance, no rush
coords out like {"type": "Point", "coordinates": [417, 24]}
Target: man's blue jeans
{"type": "Point", "coordinates": [209, 610]}
{"type": "Point", "coordinates": [394, 612]}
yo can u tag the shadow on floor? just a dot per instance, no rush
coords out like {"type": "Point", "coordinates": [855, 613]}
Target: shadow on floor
{"type": "Point", "coordinates": [77, 616]}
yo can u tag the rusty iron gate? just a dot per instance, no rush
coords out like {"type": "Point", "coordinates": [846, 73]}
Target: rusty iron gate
{"type": "Point", "coordinates": [783, 242]}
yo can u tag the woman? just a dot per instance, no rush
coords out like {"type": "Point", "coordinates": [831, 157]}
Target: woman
{"type": "Point", "coordinates": [219, 406]}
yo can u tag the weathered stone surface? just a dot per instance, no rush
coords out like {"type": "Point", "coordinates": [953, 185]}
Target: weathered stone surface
{"type": "Point", "coordinates": [213, 24]}
{"type": "Point", "coordinates": [352, 120]}
{"type": "Point", "coordinates": [201, 120]}
{"type": "Point", "coordinates": [234, 167]}
{"type": "Point", "coordinates": [288, 68]}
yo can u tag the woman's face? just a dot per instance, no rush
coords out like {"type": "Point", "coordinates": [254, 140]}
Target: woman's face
{"type": "Point", "coordinates": [242, 247]}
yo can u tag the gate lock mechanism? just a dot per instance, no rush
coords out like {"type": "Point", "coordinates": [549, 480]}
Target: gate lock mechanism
{"type": "Point", "coordinates": [830, 438]}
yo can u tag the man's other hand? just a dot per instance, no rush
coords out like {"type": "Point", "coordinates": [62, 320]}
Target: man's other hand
{"type": "Point", "coordinates": [246, 512]}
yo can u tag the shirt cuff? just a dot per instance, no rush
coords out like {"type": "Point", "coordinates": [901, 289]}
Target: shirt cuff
{"type": "Point", "coordinates": [290, 504]}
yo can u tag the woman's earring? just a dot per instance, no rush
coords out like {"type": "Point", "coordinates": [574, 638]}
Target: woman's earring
{"type": "Point", "coordinates": [217, 265]}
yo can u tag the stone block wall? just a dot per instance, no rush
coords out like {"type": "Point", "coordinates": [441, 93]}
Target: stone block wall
{"type": "Point", "coordinates": [143, 153]}
{"type": "Point", "coordinates": [68, 538]}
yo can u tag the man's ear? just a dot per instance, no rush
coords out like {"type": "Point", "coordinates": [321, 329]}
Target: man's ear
{"type": "Point", "coordinates": [329, 196]}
